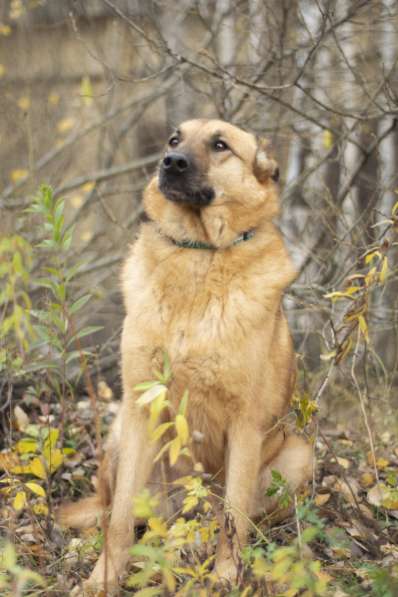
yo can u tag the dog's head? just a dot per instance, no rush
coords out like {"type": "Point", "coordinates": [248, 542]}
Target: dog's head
{"type": "Point", "coordinates": [214, 182]}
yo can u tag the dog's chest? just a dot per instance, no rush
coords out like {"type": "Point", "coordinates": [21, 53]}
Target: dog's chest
{"type": "Point", "coordinates": [207, 317]}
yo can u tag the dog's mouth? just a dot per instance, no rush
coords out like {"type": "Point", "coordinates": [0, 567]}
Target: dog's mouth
{"type": "Point", "coordinates": [181, 193]}
{"type": "Point", "coordinates": [180, 182]}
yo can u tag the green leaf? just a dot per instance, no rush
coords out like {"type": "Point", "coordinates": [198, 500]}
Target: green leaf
{"type": "Point", "coordinates": [77, 305]}
{"type": "Point", "coordinates": [67, 239]}
{"type": "Point", "coordinates": [91, 329]}
{"type": "Point", "coordinates": [182, 408]}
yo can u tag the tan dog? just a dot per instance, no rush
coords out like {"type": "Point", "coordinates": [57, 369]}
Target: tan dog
{"type": "Point", "coordinates": [204, 282]}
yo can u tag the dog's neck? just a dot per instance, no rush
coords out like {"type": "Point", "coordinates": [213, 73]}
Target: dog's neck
{"type": "Point", "coordinates": [197, 244]}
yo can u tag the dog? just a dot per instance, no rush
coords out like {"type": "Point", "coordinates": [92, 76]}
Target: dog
{"type": "Point", "coordinates": [204, 283]}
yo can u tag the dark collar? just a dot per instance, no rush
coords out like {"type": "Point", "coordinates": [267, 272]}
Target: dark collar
{"type": "Point", "coordinates": [197, 244]}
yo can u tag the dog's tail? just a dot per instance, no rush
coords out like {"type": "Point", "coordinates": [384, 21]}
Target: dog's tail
{"type": "Point", "coordinates": [86, 513]}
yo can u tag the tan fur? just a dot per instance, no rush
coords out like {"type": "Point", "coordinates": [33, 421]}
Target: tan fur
{"type": "Point", "coordinates": [218, 315]}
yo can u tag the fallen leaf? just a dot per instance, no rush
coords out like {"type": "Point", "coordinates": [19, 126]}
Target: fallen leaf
{"type": "Point", "coordinates": [367, 479]}
{"type": "Point", "coordinates": [21, 418]}
{"type": "Point", "coordinates": [382, 463]}
{"type": "Point", "coordinates": [343, 462]}
{"type": "Point", "coordinates": [104, 391]}
{"type": "Point", "coordinates": [321, 499]}
{"type": "Point", "coordinates": [381, 495]}
{"type": "Point", "coordinates": [8, 460]}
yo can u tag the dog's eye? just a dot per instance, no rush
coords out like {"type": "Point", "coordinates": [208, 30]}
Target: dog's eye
{"type": "Point", "coordinates": [220, 146]}
{"type": "Point", "coordinates": [174, 141]}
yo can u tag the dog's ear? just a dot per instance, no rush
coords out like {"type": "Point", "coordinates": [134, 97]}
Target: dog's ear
{"type": "Point", "coordinates": [265, 166]}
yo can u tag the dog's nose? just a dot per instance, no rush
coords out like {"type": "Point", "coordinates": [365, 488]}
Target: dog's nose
{"type": "Point", "coordinates": [175, 163]}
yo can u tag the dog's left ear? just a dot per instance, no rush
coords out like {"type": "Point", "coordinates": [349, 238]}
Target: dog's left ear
{"type": "Point", "coordinates": [264, 166]}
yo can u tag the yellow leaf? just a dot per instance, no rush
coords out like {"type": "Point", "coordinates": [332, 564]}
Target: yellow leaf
{"type": "Point", "coordinates": [156, 408]}
{"type": "Point", "coordinates": [327, 356]}
{"type": "Point", "coordinates": [363, 327]}
{"type": "Point", "coordinates": [371, 276]}
{"type": "Point", "coordinates": [53, 98]}
{"type": "Point", "coordinates": [334, 296]}
{"type": "Point", "coordinates": [144, 504]}
{"type": "Point", "coordinates": [54, 459]}
{"type": "Point", "coordinates": [182, 429]}
{"type": "Point", "coordinates": [40, 509]}
{"type": "Point", "coordinates": [384, 270]}
{"type": "Point", "coordinates": [370, 256]}
{"type": "Point", "coordinates": [170, 580]}
{"type": "Point", "coordinates": [26, 446]}
{"type": "Point", "coordinates": [24, 103]}
{"type": "Point", "coordinates": [19, 501]}
{"type": "Point", "coordinates": [367, 479]}
{"type": "Point", "coordinates": [52, 438]}
{"type": "Point", "coordinates": [381, 495]}
{"type": "Point", "coordinates": [18, 174]}
{"type": "Point", "coordinates": [343, 462]}
{"type": "Point", "coordinates": [189, 503]}
{"type": "Point", "coordinates": [162, 451]}
{"type": "Point", "coordinates": [321, 499]}
{"type": "Point", "coordinates": [5, 30]}
{"type": "Point", "coordinates": [36, 488]}
{"type": "Point", "coordinates": [2, 70]}
{"type": "Point", "coordinates": [65, 125]}
{"type": "Point", "coordinates": [21, 418]}
{"type": "Point", "coordinates": [395, 208]}
{"type": "Point", "coordinates": [86, 91]}
{"type": "Point", "coordinates": [382, 463]}
{"type": "Point", "coordinates": [23, 469]}
{"type": "Point", "coordinates": [158, 526]}
{"type": "Point", "coordinates": [88, 186]}
{"type": "Point", "coordinates": [174, 450]}
{"type": "Point", "coordinates": [36, 467]}
{"type": "Point", "coordinates": [159, 431]}
{"type": "Point", "coordinates": [327, 139]}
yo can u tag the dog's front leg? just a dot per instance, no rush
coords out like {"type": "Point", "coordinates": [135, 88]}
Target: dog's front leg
{"type": "Point", "coordinates": [243, 459]}
{"type": "Point", "coordinates": [135, 463]}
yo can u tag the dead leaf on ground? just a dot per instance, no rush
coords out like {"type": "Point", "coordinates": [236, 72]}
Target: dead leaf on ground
{"type": "Point", "coordinates": [321, 499]}
{"type": "Point", "coordinates": [104, 391]}
{"type": "Point", "coordinates": [21, 418]}
{"type": "Point", "coordinates": [382, 496]}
